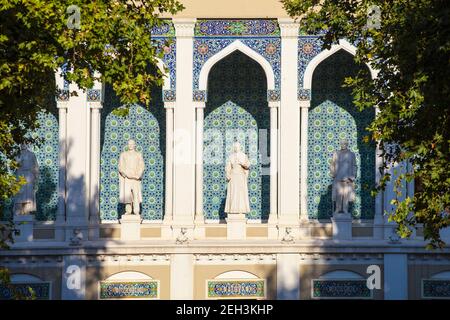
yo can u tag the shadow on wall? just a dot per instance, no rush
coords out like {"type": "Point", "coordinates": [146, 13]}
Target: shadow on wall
{"type": "Point", "coordinates": [333, 117]}
{"type": "Point", "coordinates": [237, 80]}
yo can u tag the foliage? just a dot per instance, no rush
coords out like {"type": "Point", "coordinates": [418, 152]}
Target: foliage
{"type": "Point", "coordinates": [409, 46]}
{"type": "Point", "coordinates": [110, 42]}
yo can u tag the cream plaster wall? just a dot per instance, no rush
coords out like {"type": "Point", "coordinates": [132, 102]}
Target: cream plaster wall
{"type": "Point", "coordinates": [232, 9]}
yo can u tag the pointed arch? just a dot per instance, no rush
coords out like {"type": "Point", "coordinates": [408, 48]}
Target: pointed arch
{"type": "Point", "coordinates": [312, 65]}
{"type": "Point", "coordinates": [236, 45]}
{"type": "Point", "coordinates": [166, 73]}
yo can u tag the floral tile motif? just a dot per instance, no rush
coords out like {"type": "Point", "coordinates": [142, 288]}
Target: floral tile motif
{"type": "Point", "coordinates": [199, 96]}
{"type": "Point", "coordinates": [235, 28]}
{"type": "Point", "coordinates": [332, 118]}
{"type": "Point", "coordinates": [41, 291]}
{"type": "Point", "coordinates": [129, 290]}
{"type": "Point", "coordinates": [269, 48]}
{"type": "Point", "coordinates": [434, 288]}
{"type": "Point", "coordinates": [308, 48]}
{"type": "Point", "coordinates": [169, 95]}
{"type": "Point", "coordinates": [238, 289]}
{"type": "Point", "coordinates": [94, 95]}
{"type": "Point", "coordinates": [335, 289]}
{"type": "Point", "coordinates": [165, 29]}
{"type": "Point", "coordinates": [167, 49]}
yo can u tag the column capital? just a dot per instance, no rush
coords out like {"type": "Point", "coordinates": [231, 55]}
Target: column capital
{"type": "Point", "coordinates": [95, 105]}
{"type": "Point", "coordinates": [274, 104]}
{"type": "Point", "coordinates": [184, 27]}
{"type": "Point", "coordinates": [169, 105]}
{"type": "Point", "coordinates": [304, 103]}
{"type": "Point", "coordinates": [289, 27]}
{"type": "Point", "coordinates": [62, 105]}
{"type": "Point", "coordinates": [199, 105]}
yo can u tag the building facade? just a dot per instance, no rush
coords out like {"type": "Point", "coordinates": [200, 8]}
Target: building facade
{"type": "Point", "coordinates": [231, 74]}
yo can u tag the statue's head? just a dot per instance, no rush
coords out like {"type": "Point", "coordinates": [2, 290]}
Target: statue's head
{"type": "Point", "coordinates": [131, 145]}
{"type": "Point", "coordinates": [24, 147]}
{"type": "Point", "coordinates": [236, 147]}
{"type": "Point", "coordinates": [344, 144]}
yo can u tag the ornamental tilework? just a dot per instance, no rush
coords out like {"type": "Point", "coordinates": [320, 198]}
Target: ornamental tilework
{"type": "Point", "coordinates": [147, 129]}
{"type": "Point", "coordinates": [168, 51]}
{"type": "Point", "coordinates": [46, 151]}
{"type": "Point", "coordinates": [347, 289]}
{"type": "Point", "coordinates": [333, 117]}
{"type": "Point", "coordinates": [129, 290]}
{"type": "Point", "coordinates": [269, 48]}
{"type": "Point", "coordinates": [41, 291]}
{"type": "Point", "coordinates": [242, 28]}
{"type": "Point", "coordinates": [165, 29]}
{"type": "Point", "coordinates": [237, 109]}
{"type": "Point", "coordinates": [240, 289]}
{"type": "Point", "coordinates": [308, 48]}
{"type": "Point", "coordinates": [436, 288]}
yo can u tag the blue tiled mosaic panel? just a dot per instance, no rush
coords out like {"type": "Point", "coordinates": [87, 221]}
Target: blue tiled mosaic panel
{"type": "Point", "coordinates": [39, 291]}
{"type": "Point", "coordinates": [147, 129]}
{"type": "Point", "coordinates": [47, 156]}
{"type": "Point", "coordinates": [269, 48]}
{"type": "Point", "coordinates": [129, 290]}
{"type": "Point", "coordinates": [436, 289]}
{"type": "Point", "coordinates": [236, 105]}
{"type": "Point", "coordinates": [333, 117]}
{"type": "Point", "coordinates": [242, 289]}
{"type": "Point", "coordinates": [341, 289]}
{"type": "Point", "coordinates": [241, 27]}
{"type": "Point", "coordinates": [168, 57]}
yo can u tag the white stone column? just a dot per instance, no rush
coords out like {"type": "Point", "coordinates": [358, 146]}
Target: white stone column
{"type": "Point", "coordinates": [77, 165]}
{"type": "Point", "coordinates": [199, 231]}
{"type": "Point", "coordinates": [182, 277]}
{"type": "Point", "coordinates": [61, 213]}
{"type": "Point", "coordinates": [166, 231]}
{"type": "Point", "coordinates": [184, 134]}
{"type": "Point", "coordinates": [395, 276]}
{"type": "Point", "coordinates": [288, 276]}
{"type": "Point", "coordinates": [378, 220]}
{"type": "Point", "coordinates": [94, 201]}
{"type": "Point", "coordinates": [273, 214]}
{"type": "Point", "coordinates": [289, 189]}
{"type": "Point", "coordinates": [304, 222]}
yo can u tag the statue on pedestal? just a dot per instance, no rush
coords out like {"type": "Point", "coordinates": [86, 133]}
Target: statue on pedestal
{"type": "Point", "coordinates": [25, 200]}
{"type": "Point", "coordinates": [343, 171]}
{"type": "Point", "coordinates": [131, 168]}
{"type": "Point", "coordinates": [237, 170]}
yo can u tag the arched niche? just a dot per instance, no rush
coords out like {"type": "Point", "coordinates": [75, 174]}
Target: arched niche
{"type": "Point", "coordinates": [333, 117]}
{"type": "Point", "coordinates": [128, 275]}
{"type": "Point", "coordinates": [146, 125]}
{"type": "Point", "coordinates": [236, 109]}
{"type": "Point", "coordinates": [236, 274]}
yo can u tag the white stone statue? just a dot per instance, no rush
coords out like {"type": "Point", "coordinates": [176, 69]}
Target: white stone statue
{"type": "Point", "coordinates": [131, 168]}
{"type": "Point", "coordinates": [237, 170]}
{"type": "Point", "coordinates": [25, 200]}
{"type": "Point", "coordinates": [343, 171]}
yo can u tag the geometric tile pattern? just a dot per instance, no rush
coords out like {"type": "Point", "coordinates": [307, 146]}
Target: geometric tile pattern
{"type": "Point", "coordinates": [239, 289]}
{"type": "Point", "coordinates": [308, 48]}
{"type": "Point", "coordinates": [129, 290]}
{"type": "Point", "coordinates": [346, 289]}
{"type": "Point", "coordinates": [434, 288]}
{"type": "Point", "coordinates": [46, 151]}
{"type": "Point", "coordinates": [237, 106]}
{"type": "Point", "coordinates": [205, 48]}
{"type": "Point", "coordinates": [333, 117]}
{"type": "Point", "coordinates": [39, 291]}
{"type": "Point", "coordinates": [141, 126]}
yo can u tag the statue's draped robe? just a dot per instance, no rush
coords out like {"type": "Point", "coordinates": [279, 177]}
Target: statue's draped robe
{"type": "Point", "coordinates": [131, 168]}
{"type": "Point", "coordinates": [237, 170]}
{"type": "Point", "coordinates": [29, 169]}
{"type": "Point", "coordinates": [343, 167]}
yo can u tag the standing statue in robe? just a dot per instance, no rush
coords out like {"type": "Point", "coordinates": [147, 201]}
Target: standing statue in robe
{"type": "Point", "coordinates": [343, 171]}
{"type": "Point", "coordinates": [25, 200]}
{"type": "Point", "coordinates": [237, 170]}
{"type": "Point", "coordinates": [131, 168]}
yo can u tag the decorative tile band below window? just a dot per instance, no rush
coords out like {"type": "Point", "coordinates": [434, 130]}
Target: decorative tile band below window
{"type": "Point", "coordinates": [433, 288]}
{"type": "Point", "coordinates": [236, 289]}
{"type": "Point", "coordinates": [340, 289]}
{"type": "Point", "coordinates": [129, 289]}
{"type": "Point", "coordinates": [37, 291]}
